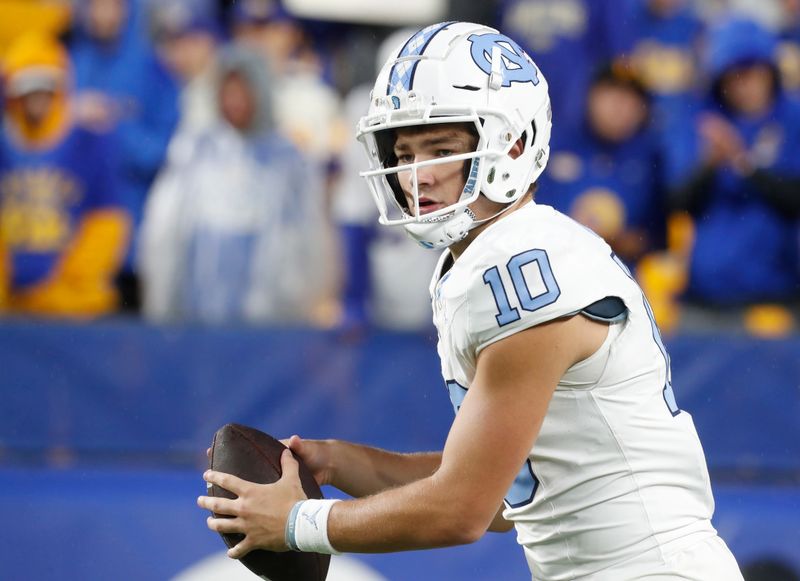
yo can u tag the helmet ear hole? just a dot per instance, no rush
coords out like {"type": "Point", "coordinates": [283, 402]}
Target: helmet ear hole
{"type": "Point", "coordinates": [525, 142]}
{"type": "Point", "coordinates": [520, 146]}
{"type": "Point", "coordinates": [533, 133]}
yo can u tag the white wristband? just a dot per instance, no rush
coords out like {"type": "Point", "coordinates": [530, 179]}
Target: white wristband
{"type": "Point", "coordinates": [310, 529]}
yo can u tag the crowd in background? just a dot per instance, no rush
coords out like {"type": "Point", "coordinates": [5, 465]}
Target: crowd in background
{"type": "Point", "coordinates": [195, 160]}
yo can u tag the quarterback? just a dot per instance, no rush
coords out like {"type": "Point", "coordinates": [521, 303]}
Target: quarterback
{"type": "Point", "coordinates": [566, 425]}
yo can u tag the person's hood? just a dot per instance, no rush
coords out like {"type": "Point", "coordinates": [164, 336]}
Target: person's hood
{"type": "Point", "coordinates": [236, 59]}
{"type": "Point", "coordinates": [36, 62]}
{"type": "Point", "coordinates": [738, 41]}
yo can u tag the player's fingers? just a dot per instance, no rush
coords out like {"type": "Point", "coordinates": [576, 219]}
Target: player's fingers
{"type": "Point", "coordinates": [294, 443]}
{"type": "Point", "coordinates": [241, 549]}
{"type": "Point", "coordinates": [227, 481]}
{"type": "Point", "coordinates": [289, 466]}
{"type": "Point", "coordinates": [208, 453]}
{"type": "Point", "coordinates": [225, 525]}
{"type": "Point", "coordinates": [218, 505]}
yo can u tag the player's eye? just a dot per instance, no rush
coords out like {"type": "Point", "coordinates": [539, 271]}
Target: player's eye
{"type": "Point", "coordinates": [444, 152]}
{"type": "Point", "coordinates": [404, 158]}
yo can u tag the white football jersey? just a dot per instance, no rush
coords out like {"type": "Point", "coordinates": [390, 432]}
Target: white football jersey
{"type": "Point", "coordinates": [617, 474]}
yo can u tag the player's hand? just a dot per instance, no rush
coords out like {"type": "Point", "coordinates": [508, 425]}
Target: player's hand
{"type": "Point", "coordinates": [317, 456]}
{"type": "Point", "coordinates": [260, 510]}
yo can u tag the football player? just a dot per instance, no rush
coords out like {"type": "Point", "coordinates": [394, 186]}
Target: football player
{"type": "Point", "coordinates": [566, 418]}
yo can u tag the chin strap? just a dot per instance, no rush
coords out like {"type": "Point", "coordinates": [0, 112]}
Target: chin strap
{"type": "Point", "coordinates": [443, 233]}
{"type": "Point", "coordinates": [492, 217]}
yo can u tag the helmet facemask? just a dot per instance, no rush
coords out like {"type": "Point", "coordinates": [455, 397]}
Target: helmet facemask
{"type": "Point", "coordinates": [385, 180]}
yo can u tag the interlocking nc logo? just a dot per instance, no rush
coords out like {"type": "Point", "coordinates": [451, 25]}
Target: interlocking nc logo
{"type": "Point", "coordinates": [516, 66]}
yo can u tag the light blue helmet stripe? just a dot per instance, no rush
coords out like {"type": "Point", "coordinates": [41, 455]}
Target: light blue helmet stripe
{"type": "Point", "coordinates": [401, 76]}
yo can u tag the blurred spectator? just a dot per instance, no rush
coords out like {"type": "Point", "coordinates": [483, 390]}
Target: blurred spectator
{"type": "Point", "coordinates": [765, 12]}
{"type": "Point", "coordinates": [17, 17]}
{"type": "Point", "coordinates": [188, 35]}
{"type": "Point", "coordinates": [789, 48]}
{"type": "Point", "coordinates": [266, 27]}
{"type": "Point", "coordinates": [606, 172]}
{"type": "Point", "coordinates": [386, 274]}
{"type": "Point", "coordinates": [741, 175]}
{"type": "Point", "coordinates": [124, 89]}
{"type": "Point", "coordinates": [567, 39]}
{"type": "Point", "coordinates": [661, 38]}
{"type": "Point", "coordinates": [234, 228]}
{"type": "Point", "coordinates": [62, 229]}
{"type": "Point", "coordinates": [306, 108]}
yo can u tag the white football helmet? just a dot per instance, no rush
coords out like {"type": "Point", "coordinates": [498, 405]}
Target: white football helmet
{"type": "Point", "coordinates": [457, 72]}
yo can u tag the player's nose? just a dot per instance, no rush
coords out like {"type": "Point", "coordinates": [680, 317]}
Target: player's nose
{"type": "Point", "coordinates": [425, 175]}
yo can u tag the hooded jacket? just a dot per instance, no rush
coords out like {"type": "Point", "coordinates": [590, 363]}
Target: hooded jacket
{"type": "Point", "coordinates": [235, 228]}
{"type": "Point", "coordinates": [62, 228]}
{"type": "Point", "coordinates": [746, 226]}
{"type": "Point", "coordinates": [144, 97]}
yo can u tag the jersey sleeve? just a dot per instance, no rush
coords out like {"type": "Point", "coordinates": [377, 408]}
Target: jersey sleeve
{"type": "Point", "coordinates": [530, 277]}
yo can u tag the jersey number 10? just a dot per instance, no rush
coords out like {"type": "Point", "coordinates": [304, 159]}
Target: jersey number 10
{"type": "Point", "coordinates": [529, 302]}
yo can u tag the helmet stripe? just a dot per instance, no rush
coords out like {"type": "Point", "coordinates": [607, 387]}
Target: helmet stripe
{"type": "Point", "coordinates": [401, 77]}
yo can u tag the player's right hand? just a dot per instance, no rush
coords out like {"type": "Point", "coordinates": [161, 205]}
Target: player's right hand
{"type": "Point", "coordinates": [317, 456]}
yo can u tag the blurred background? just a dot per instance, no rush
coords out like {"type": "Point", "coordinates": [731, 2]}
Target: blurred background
{"type": "Point", "coordinates": [185, 242]}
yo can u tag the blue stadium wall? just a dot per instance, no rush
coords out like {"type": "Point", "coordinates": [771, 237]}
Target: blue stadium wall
{"type": "Point", "coordinates": [103, 431]}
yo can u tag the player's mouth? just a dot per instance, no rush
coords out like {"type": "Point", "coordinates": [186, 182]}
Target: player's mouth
{"type": "Point", "coordinates": [426, 205]}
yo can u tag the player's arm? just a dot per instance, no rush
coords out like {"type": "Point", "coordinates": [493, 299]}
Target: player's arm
{"type": "Point", "coordinates": [362, 470]}
{"type": "Point", "coordinates": [499, 524]}
{"type": "Point", "coordinates": [492, 435]}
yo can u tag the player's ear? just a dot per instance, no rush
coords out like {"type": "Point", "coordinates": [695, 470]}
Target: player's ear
{"type": "Point", "coordinates": [517, 149]}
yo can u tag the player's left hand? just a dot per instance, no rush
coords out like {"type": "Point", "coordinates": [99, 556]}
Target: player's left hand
{"type": "Point", "coordinates": [259, 512]}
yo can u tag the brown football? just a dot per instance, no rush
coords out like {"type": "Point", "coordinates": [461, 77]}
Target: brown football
{"type": "Point", "coordinates": [255, 456]}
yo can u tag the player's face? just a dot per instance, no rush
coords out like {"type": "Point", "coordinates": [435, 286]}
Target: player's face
{"type": "Point", "coordinates": [439, 185]}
